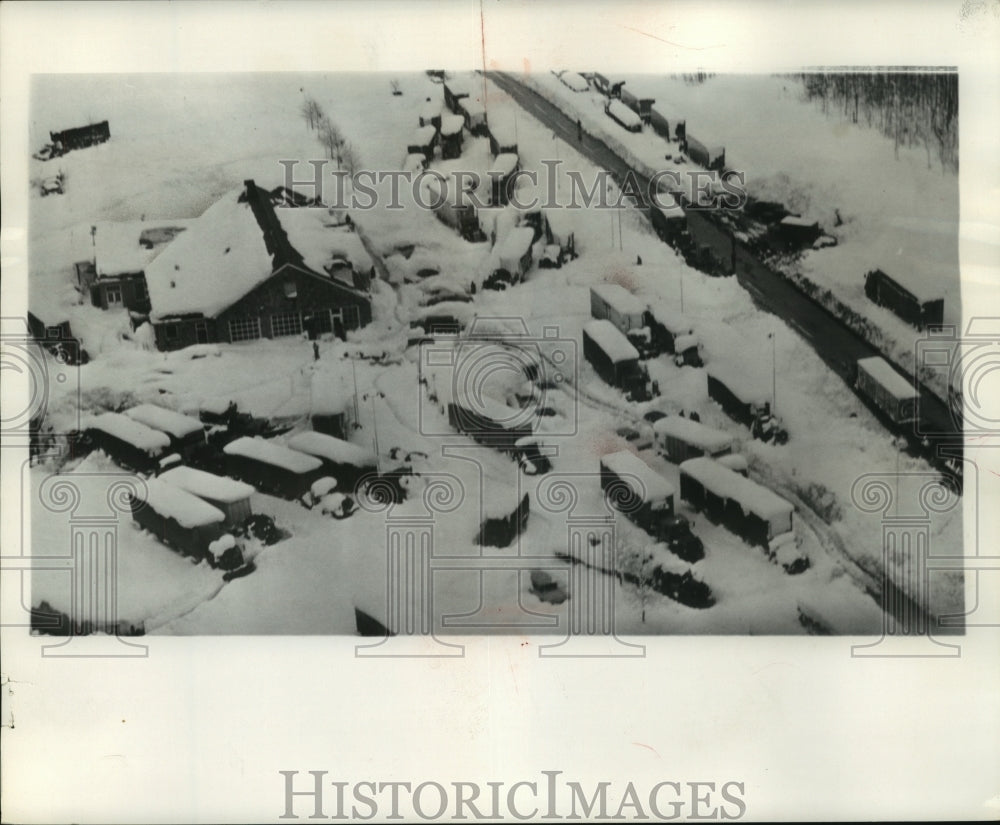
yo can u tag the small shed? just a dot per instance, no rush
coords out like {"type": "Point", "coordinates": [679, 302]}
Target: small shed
{"type": "Point", "coordinates": [226, 494]}
{"type": "Point", "coordinates": [178, 518]}
{"type": "Point", "coordinates": [186, 433]}
{"type": "Point", "coordinates": [271, 467]}
{"type": "Point", "coordinates": [127, 442]}
{"type": "Point", "coordinates": [346, 462]}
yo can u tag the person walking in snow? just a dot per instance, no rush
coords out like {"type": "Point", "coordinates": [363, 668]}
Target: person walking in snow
{"type": "Point", "coordinates": [315, 350]}
{"type": "Point", "coordinates": [579, 132]}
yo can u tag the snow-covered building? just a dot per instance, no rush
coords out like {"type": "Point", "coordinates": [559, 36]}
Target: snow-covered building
{"type": "Point", "coordinates": [115, 278]}
{"type": "Point", "coordinates": [247, 270]}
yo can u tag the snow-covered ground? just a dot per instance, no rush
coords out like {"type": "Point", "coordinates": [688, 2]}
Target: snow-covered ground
{"type": "Point", "coordinates": [225, 129]}
{"type": "Point", "coordinates": [900, 213]}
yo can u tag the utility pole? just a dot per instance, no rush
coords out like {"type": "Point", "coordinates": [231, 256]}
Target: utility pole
{"type": "Point", "coordinates": [774, 377]}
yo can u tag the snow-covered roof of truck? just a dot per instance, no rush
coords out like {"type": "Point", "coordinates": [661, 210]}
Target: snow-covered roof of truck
{"type": "Point", "coordinates": [623, 113]}
{"type": "Point", "coordinates": [750, 495]}
{"type": "Point", "coordinates": [667, 205]}
{"type": "Point", "coordinates": [207, 485]}
{"type": "Point", "coordinates": [267, 452]}
{"type": "Point", "coordinates": [890, 380]}
{"type": "Point", "coordinates": [517, 242]}
{"type": "Point", "coordinates": [332, 449]}
{"type": "Point", "coordinates": [575, 81]}
{"type": "Point", "coordinates": [618, 298]}
{"type": "Point", "coordinates": [471, 106]}
{"type": "Point", "coordinates": [647, 483]}
{"type": "Point", "coordinates": [700, 435]}
{"type": "Point", "coordinates": [505, 164]}
{"type": "Point", "coordinates": [168, 421]}
{"type": "Point", "coordinates": [794, 220]}
{"type": "Point", "coordinates": [183, 507]}
{"type": "Point", "coordinates": [423, 136]}
{"type": "Point", "coordinates": [607, 336]}
{"type": "Point", "coordinates": [452, 124]}
{"type": "Point", "coordinates": [746, 381]}
{"type": "Point", "coordinates": [131, 432]}
{"type": "Point", "coordinates": [672, 320]}
{"type": "Point", "coordinates": [122, 248]}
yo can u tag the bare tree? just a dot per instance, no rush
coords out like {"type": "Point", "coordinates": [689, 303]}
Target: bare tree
{"type": "Point", "coordinates": [635, 566]}
{"type": "Point", "coordinates": [311, 112]}
{"type": "Point", "coordinates": [348, 159]}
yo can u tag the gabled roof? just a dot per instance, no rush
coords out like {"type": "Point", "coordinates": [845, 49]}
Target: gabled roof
{"type": "Point", "coordinates": [236, 245]}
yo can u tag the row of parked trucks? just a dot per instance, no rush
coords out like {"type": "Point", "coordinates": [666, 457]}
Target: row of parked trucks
{"type": "Point", "coordinates": [196, 511]}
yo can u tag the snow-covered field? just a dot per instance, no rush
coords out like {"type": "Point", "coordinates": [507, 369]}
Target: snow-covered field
{"type": "Point", "coordinates": [179, 143]}
{"type": "Point", "coordinates": [899, 212]}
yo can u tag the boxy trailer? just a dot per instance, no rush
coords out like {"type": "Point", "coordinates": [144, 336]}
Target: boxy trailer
{"type": "Point", "coordinates": [680, 439]}
{"type": "Point", "coordinates": [922, 311]}
{"type": "Point", "coordinates": [751, 511]}
{"type": "Point", "coordinates": [614, 359]}
{"type": "Point", "coordinates": [744, 402]}
{"type": "Point", "coordinates": [892, 394]}
{"type": "Point", "coordinates": [617, 305]}
{"type": "Point", "coordinates": [647, 499]}
{"type": "Point", "coordinates": [711, 157]}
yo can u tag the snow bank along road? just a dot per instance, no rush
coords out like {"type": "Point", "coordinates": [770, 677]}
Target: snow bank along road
{"type": "Point", "coordinates": [834, 342]}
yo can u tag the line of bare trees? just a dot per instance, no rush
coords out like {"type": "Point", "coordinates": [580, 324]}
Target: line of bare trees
{"type": "Point", "coordinates": [912, 108]}
{"type": "Point", "coordinates": [337, 147]}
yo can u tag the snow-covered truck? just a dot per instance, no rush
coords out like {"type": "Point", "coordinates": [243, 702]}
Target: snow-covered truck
{"type": "Point", "coordinates": [346, 462]}
{"type": "Point", "coordinates": [756, 514]}
{"type": "Point", "coordinates": [660, 118]}
{"type": "Point", "coordinates": [489, 422]}
{"type": "Point", "coordinates": [711, 156]}
{"type": "Point", "coordinates": [744, 401]}
{"type": "Point", "coordinates": [623, 115]}
{"type": "Point", "coordinates": [638, 101]}
{"type": "Point", "coordinates": [614, 359]}
{"type": "Point", "coordinates": [922, 311]}
{"type": "Point", "coordinates": [796, 230]}
{"type": "Point", "coordinates": [450, 136]}
{"type": "Point", "coordinates": [129, 443]}
{"type": "Point", "coordinates": [271, 467]}
{"type": "Point", "coordinates": [647, 499]}
{"type": "Point", "coordinates": [232, 497]}
{"type": "Point", "coordinates": [667, 329]}
{"type": "Point", "coordinates": [515, 256]}
{"type": "Point", "coordinates": [892, 394]}
{"type": "Point", "coordinates": [185, 432]}
{"type": "Point", "coordinates": [678, 439]}
{"type": "Point", "coordinates": [617, 305]}
{"type": "Point", "coordinates": [501, 174]}
{"type": "Point", "coordinates": [474, 114]}
{"type": "Point", "coordinates": [184, 522]}
{"type": "Point", "coordinates": [422, 142]}
{"type": "Point", "coordinates": [668, 217]}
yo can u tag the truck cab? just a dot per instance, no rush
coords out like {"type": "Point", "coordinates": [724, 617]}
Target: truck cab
{"type": "Point", "coordinates": [675, 530]}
